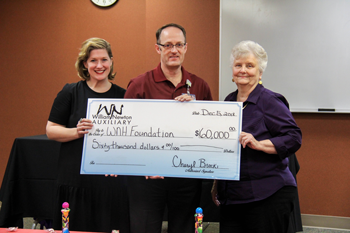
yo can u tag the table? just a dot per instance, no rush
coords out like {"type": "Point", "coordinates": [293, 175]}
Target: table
{"type": "Point", "coordinates": [29, 180]}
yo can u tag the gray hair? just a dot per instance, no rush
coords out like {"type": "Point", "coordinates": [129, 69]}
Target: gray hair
{"type": "Point", "coordinates": [247, 47]}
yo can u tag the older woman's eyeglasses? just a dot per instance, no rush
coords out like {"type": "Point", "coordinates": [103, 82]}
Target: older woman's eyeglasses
{"type": "Point", "coordinates": [170, 46]}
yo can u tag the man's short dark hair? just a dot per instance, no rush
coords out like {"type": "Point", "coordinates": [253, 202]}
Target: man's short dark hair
{"type": "Point", "coordinates": [159, 31]}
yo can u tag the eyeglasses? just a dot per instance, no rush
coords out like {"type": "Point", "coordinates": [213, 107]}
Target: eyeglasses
{"type": "Point", "coordinates": [170, 46]}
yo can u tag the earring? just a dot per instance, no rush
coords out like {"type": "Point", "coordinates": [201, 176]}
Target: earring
{"type": "Point", "coordinates": [260, 82]}
{"type": "Point", "coordinates": [233, 80]}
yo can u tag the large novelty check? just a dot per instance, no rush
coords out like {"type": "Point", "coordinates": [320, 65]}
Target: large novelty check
{"type": "Point", "coordinates": [196, 139]}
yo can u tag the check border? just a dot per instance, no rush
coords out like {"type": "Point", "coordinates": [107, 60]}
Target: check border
{"type": "Point", "coordinates": [107, 149]}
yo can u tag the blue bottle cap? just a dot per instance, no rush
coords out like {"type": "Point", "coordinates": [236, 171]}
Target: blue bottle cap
{"type": "Point", "coordinates": [199, 210]}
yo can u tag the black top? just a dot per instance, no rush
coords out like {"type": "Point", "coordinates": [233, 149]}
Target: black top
{"type": "Point", "coordinates": [97, 203]}
{"type": "Point", "coordinates": [69, 106]}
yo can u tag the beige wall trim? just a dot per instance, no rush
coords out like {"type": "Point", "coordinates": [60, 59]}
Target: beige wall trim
{"type": "Point", "coordinates": [324, 221]}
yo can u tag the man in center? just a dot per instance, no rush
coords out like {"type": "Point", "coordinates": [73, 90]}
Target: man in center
{"type": "Point", "coordinates": [149, 195]}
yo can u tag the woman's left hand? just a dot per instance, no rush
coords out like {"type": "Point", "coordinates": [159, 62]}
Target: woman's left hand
{"type": "Point", "coordinates": [247, 139]}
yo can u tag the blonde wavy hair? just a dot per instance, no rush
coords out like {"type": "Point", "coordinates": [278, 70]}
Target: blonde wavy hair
{"type": "Point", "coordinates": [84, 54]}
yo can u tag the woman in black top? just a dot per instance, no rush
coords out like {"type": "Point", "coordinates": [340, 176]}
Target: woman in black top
{"type": "Point", "coordinates": [97, 203]}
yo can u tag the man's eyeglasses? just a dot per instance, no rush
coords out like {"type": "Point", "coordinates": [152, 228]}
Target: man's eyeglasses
{"type": "Point", "coordinates": [170, 46]}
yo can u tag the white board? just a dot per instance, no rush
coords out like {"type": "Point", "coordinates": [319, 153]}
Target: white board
{"type": "Point", "coordinates": [308, 45]}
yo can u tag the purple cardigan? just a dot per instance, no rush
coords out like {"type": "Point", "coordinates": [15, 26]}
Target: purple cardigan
{"type": "Point", "coordinates": [266, 116]}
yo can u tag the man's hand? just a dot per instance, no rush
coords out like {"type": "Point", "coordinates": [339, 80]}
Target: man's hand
{"type": "Point", "coordinates": [154, 177]}
{"type": "Point", "coordinates": [184, 97]}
